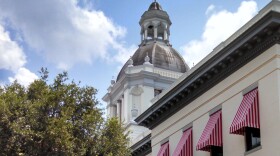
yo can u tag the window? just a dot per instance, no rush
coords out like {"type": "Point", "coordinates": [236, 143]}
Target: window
{"type": "Point", "coordinates": [247, 120]}
{"type": "Point", "coordinates": [211, 139]}
{"type": "Point", "coordinates": [253, 139]}
{"type": "Point", "coordinates": [216, 151]}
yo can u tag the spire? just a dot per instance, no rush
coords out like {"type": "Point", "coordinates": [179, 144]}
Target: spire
{"type": "Point", "coordinates": [155, 6]}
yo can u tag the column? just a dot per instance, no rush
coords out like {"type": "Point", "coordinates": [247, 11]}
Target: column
{"type": "Point", "coordinates": [146, 34]}
{"type": "Point", "coordinates": [114, 110]}
{"type": "Point", "coordinates": [122, 109]}
{"type": "Point", "coordinates": [165, 35]}
{"type": "Point", "coordinates": [119, 110]}
{"type": "Point", "coordinates": [155, 33]}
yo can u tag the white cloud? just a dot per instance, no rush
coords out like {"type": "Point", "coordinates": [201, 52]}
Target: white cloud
{"type": "Point", "coordinates": [210, 9]}
{"type": "Point", "coordinates": [24, 77]}
{"type": "Point", "coordinates": [124, 53]}
{"type": "Point", "coordinates": [12, 58]}
{"type": "Point", "coordinates": [11, 55]}
{"type": "Point", "coordinates": [63, 32]}
{"type": "Point", "coordinates": [219, 26]}
{"type": "Point", "coordinates": [2, 85]}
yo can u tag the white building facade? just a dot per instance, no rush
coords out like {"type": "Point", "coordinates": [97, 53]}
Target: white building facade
{"type": "Point", "coordinates": [228, 104]}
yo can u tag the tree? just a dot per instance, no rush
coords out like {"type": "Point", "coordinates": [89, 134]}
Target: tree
{"type": "Point", "coordinates": [60, 118]}
{"type": "Point", "coordinates": [113, 142]}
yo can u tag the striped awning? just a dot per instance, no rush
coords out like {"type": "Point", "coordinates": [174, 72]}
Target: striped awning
{"type": "Point", "coordinates": [164, 150]}
{"type": "Point", "coordinates": [185, 145]}
{"type": "Point", "coordinates": [247, 114]}
{"type": "Point", "coordinates": [212, 134]}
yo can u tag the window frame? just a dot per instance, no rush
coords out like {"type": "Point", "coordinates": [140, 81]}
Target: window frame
{"type": "Point", "coordinates": [248, 138]}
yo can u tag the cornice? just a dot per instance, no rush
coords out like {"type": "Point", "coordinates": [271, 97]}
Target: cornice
{"type": "Point", "coordinates": [155, 14]}
{"type": "Point", "coordinates": [126, 82]}
{"type": "Point", "coordinates": [259, 37]}
{"type": "Point", "coordinates": [143, 147]}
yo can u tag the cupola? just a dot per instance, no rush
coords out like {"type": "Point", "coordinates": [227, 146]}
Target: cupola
{"type": "Point", "coordinates": [155, 31]}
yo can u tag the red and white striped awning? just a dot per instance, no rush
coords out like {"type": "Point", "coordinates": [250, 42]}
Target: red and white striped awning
{"type": "Point", "coordinates": [247, 114]}
{"type": "Point", "coordinates": [185, 145]}
{"type": "Point", "coordinates": [212, 134]}
{"type": "Point", "coordinates": [164, 150]}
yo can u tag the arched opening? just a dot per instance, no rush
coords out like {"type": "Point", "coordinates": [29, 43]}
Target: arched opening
{"type": "Point", "coordinates": [160, 32]}
{"type": "Point", "coordinates": [150, 32]}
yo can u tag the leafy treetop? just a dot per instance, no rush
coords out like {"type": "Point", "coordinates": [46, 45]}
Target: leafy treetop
{"type": "Point", "coordinates": [60, 118]}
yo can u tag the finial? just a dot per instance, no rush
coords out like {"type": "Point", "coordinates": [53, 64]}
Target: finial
{"type": "Point", "coordinates": [147, 59]}
{"type": "Point", "coordinates": [113, 81]}
{"type": "Point", "coordinates": [130, 62]}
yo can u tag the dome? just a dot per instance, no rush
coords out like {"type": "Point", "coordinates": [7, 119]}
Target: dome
{"type": "Point", "coordinates": [161, 56]}
{"type": "Point", "coordinates": [155, 32]}
{"type": "Point", "coordinates": [155, 6]}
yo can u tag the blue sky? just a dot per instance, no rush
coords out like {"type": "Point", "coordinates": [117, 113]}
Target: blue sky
{"type": "Point", "coordinates": [91, 39]}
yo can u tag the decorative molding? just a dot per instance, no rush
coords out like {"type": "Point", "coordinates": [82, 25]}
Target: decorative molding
{"type": "Point", "coordinates": [250, 44]}
{"type": "Point", "coordinates": [136, 91]}
{"type": "Point", "coordinates": [129, 80]}
{"type": "Point", "coordinates": [111, 105]}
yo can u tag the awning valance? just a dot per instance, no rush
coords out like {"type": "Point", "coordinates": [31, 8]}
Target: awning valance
{"type": "Point", "coordinates": [164, 150]}
{"type": "Point", "coordinates": [247, 114]}
{"type": "Point", "coordinates": [185, 145]}
{"type": "Point", "coordinates": [212, 134]}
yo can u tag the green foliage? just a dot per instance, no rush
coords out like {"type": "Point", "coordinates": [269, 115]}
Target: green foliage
{"type": "Point", "coordinates": [60, 118]}
{"type": "Point", "coordinates": [113, 142]}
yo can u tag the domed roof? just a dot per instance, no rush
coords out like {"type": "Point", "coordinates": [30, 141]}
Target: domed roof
{"type": "Point", "coordinates": [161, 56]}
{"type": "Point", "coordinates": [155, 6]}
